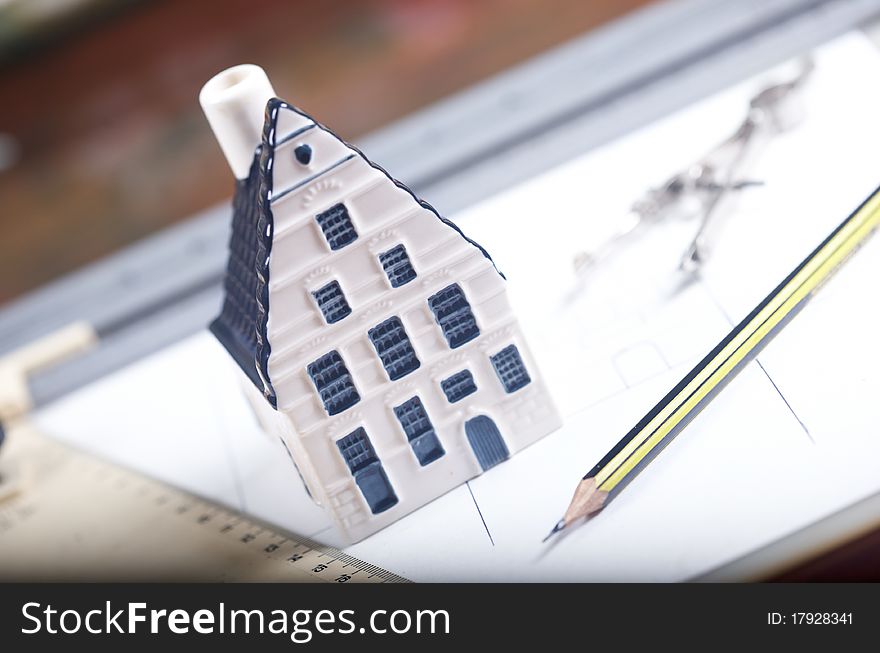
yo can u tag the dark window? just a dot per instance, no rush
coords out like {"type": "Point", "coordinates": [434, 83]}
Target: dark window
{"type": "Point", "coordinates": [333, 382]}
{"type": "Point", "coordinates": [397, 266]}
{"type": "Point", "coordinates": [419, 431]}
{"type": "Point", "coordinates": [332, 302]}
{"type": "Point", "coordinates": [357, 450]}
{"type": "Point", "coordinates": [359, 455]}
{"type": "Point", "coordinates": [337, 226]}
{"type": "Point", "coordinates": [454, 315]}
{"type": "Point", "coordinates": [458, 386]}
{"type": "Point", "coordinates": [510, 368]}
{"type": "Point", "coordinates": [394, 348]}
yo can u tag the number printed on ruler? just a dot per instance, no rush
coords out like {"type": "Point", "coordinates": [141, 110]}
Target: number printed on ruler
{"type": "Point", "coordinates": [112, 523]}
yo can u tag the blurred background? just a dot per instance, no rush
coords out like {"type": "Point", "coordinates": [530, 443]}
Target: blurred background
{"type": "Point", "coordinates": [102, 140]}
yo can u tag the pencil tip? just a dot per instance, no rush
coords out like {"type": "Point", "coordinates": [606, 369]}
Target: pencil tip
{"type": "Point", "coordinates": [558, 527]}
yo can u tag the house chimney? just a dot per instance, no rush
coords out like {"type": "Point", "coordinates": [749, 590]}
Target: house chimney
{"type": "Point", "coordinates": [234, 102]}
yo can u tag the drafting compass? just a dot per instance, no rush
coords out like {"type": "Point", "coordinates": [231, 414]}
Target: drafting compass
{"type": "Point", "coordinates": [700, 190]}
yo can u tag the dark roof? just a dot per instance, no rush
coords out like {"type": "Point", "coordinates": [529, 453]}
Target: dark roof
{"type": "Point", "coordinates": [234, 327]}
{"type": "Point", "coordinates": [241, 325]}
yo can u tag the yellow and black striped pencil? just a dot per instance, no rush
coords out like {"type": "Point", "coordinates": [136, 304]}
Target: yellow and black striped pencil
{"type": "Point", "coordinates": [675, 411]}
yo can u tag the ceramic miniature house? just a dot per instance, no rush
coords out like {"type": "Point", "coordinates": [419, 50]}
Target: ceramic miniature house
{"type": "Point", "coordinates": [379, 337]}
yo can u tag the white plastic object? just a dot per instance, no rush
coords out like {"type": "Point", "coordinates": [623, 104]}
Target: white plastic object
{"type": "Point", "coordinates": [326, 215]}
{"type": "Point", "coordinates": [233, 102]}
{"type": "Point", "coordinates": [51, 349]}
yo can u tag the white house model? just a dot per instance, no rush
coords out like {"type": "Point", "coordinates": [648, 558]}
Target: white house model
{"type": "Point", "coordinates": [380, 337]}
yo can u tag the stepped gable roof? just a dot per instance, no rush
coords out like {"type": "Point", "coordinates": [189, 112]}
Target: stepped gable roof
{"type": "Point", "coordinates": [241, 326]}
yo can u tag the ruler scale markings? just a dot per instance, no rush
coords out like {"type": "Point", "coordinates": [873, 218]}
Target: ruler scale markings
{"type": "Point", "coordinates": [141, 529]}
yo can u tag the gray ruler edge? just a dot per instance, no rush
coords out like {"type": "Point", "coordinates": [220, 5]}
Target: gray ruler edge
{"type": "Point", "coordinates": [492, 136]}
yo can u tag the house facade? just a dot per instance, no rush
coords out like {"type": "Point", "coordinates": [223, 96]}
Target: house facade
{"type": "Point", "coordinates": [379, 339]}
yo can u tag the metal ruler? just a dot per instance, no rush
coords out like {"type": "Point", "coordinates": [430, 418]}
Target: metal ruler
{"type": "Point", "coordinates": [67, 515]}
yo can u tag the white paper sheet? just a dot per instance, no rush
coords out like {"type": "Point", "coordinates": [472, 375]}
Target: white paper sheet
{"type": "Point", "coordinates": [786, 443]}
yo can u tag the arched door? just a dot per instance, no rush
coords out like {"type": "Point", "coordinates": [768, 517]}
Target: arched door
{"type": "Point", "coordinates": [486, 441]}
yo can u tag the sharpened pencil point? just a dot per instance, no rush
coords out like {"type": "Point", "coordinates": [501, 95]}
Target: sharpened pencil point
{"type": "Point", "coordinates": [559, 526]}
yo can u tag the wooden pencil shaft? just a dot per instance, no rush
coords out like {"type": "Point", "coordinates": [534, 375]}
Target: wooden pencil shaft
{"type": "Point", "coordinates": [587, 500]}
{"type": "Point", "coordinates": [654, 450]}
{"type": "Point", "coordinates": [742, 344]}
